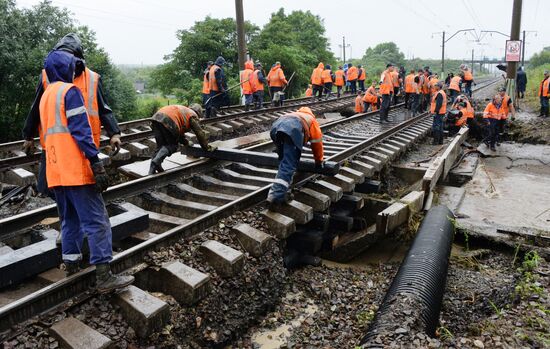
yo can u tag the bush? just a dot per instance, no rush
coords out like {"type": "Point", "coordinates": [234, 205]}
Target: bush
{"type": "Point", "coordinates": [534, 77]}
{"type": "Point", "coordinates": [146, 107]}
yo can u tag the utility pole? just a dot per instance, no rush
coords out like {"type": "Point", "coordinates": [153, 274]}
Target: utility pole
{"type": "Point", "coordinates": [241, 43]}
{"type": "Point", "coordinates": [472, 61]}
{"type": "Point", "coordinates": [443, 54]}
{"type": "Point", "coordinates": [511, 70]}
{"type": "Point", "coordinates": [444, 41]}
{"type": "Point", "coordinates": [344, 48]}
{"type": "Point", "coordinates": [523, 50]}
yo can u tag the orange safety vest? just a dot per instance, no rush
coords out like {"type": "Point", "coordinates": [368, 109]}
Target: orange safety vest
{"type": "Point", "coordinates": [212, 78]}
{"type": "Point", "coordinates": [245, 78]}
{"type": "Point", "coordinates": [424, 84]}
{"type": "Point", "coordinates": [491, 112]}
{"type": "Point", "coordinates": [362, 75]}
{"type": "Point", "coordinates": [317, 75]}
{"type": "Point", "coordinates": [386, 87]}
{"type": "Point", "coordinates": [276, 77]}
{"type": "Point", "coordinates": [66, 163]}
{"type": "Point", "coordinates": [544, 87]}
{"type": "Point", "coordinates": [468, 111]}
{"type": "Point", "coordinates": [339, 78]}
{"type": "Point", "coordinates": [87, 83]}
{"type": "Point", "coordinates": [443, 109]}
{"type": "Point", "coordinates": [504, 107]}
{"type": "Point", "coordinates": [409, 81]}
{"type": "Point", "coordinates": [179, 116]}
{"type": "Point", "coordinates": [370, 96]}
{"type": "Point", "coordinates": [468, 75]}
{"type": "Point", "coordinates": [205, 84]}
{"type": "Point", "coordinates": [255, 82]}
{"type": "Point", "coordinates": [358, 104]}
{"type": "Point", "coordinates": [312, 132]}
{"type": "Point", "coordinates": [395, 78]}
{"type": "Point", "coordinates": [433, 81]}
{"type": "Point", "coordinates": [326, 76]}
{"type": "Point", "coordinates": [455, 83]}
{"type": "Point", "coordinates": [352, 73]}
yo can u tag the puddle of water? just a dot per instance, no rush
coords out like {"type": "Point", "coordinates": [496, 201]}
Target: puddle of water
{"type": "Point", "coordinates": [275, 338]}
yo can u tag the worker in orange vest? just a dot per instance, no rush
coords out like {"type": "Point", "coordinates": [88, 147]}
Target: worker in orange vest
{"type": "Point", "coordinates": [409, 90]}
{"type": "Point", "coordinates": [416, 95]}
{"type": "Point", "coordinates": [370, 99]}
{"type": "Point", "coordinates": [438, 109]}
{"type": "Point", "coordinates": [359, 107]}
{"type": "Point", "coordinates": [276, 81]}
{"type": "Point", "coordinates": [218, 88]}
{"type": "Point", "coordinates": [361, 76]}
{"type": "Point", "coordinates": [206, 83]}
{"type": "Point", "coordinates": [468, 79]}
{"type": "Point", "coordinates": [258, 82]}
{"type": "Point", "coordinates": [434, 79]}
{"type": "Point", "coordinates": [507, 108]}
{"type": "Point", "coordinates": [425, 87]}
{"type": "Point", "coordinates": [544, 94]}
{"type": "Point", "coordinates": [290, 133]}
{"type": "Point", "coordinates": [75, 174]}
{"type": "Point", "coordinates": [309, 91]}
{"type": "Point", "coordinates": [454, 86]}
{"type": "Point", "coordinates": [492, 114]}
{"type": "Point", "coordinates": [170, 124]}
{"type": "Point", "coordinates": [317, 80]}
{"type": "Point", "coordinates": [396, 85]}
{"type": "Point", "coordinates": [99, 112]}
{"type": "Point", "coordinates": [467, 111]}
{"type": "Point", "coordinates": [328, 79]}
{"type": "Point", "coordinates": [247, 84]}
{"type": "Point", "coordinates": [353, 74]}
{"type": "Point", "coordinates": [339, 80]}
{"type": "Point", "coordinates": [386, 90]}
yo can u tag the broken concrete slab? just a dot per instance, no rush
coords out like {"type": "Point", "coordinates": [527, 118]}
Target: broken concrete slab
{"type": "Point", "coordinates": [392, 217]}
{"type": "Point", "coordinates": [19, 177]}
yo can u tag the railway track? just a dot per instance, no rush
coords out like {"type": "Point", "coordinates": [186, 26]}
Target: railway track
{"type": "Point", "coordinates": [156, 212]}
{"type": "Point", "coordinates": [138, 141]}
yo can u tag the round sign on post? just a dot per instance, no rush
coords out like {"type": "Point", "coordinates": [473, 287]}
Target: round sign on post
{"type": "Point", "coordinates": [513, 50]}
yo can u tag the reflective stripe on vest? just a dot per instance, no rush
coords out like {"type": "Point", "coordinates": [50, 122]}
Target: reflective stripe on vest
{"type": "Point", "coordinates": [58, 126]}
{"type": "Point", "coordinates": [443, 108]}
{"type": "Point", "coordinates": [306, 120]}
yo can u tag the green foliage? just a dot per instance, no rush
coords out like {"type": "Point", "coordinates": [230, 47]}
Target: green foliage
{"type": "Point", "coordinates": [147, 106]}
{"type": "Point", "coordinates": [296, 40]}
{"type": "Point", "coordinates": [534, 78]}
{"type": "Point", "coordinates": [136, 73]}
{"type": "Point", "coordinates": [541, 58]}
{"type": "Point", "coordinates": [530, 261]}
{"type": "Point", "coordinates": [27, 37]}
{"type": "Point", "coordinates": [376, 58]}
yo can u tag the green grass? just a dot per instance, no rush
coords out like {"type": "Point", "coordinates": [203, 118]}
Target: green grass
{"type": "Point", "coordinates": [534, 77]}
{"type": "Point", "coordinates": [148, 104]}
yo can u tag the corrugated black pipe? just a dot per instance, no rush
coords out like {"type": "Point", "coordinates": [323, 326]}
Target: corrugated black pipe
{"type": "Point", "coordinates": [422, 275]}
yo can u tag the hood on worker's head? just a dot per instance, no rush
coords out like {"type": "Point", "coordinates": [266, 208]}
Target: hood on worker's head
{"type": "Point", "coordinates": [59, 66]}
{"type": "Point", "coordinates": [306, 110]}
{"type": "Point", "coordinates": [275, 67]}
{"type": "Point", "coordinates": [220, 61]}
{"type": "Point", "coordinates": [328, 67]}
{"type": "Point", "coordinates": [249, 65]}
{"type": "Point", "coordinates": [70, 43]}
{"type": "Point", "coordinates": [321, 65]}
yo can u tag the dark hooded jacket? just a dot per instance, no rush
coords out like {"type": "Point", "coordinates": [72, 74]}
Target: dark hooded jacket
{"type": "Point", "coordinates": [60, 66]}
{"type": "Point", "coordinates": [521, 80]}
{"type": "Point", "coordinates": [220, 74]}
{"type": "Point", "coordinates": [71, 43]}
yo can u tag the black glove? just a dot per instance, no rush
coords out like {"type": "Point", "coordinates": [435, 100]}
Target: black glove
{"type": "Point", "coordinates": [320, 164]}
{"type": "Point", "coordinates": [100, 176]}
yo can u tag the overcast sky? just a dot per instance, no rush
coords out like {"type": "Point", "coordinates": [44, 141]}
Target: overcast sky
{"type": "Point", "coordinates": [143, 31]}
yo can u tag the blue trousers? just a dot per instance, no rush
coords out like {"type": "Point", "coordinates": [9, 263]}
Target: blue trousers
{"type": "Point", "coordinates": [361, 85]}
{"type": "Point", "coordinates": [258, 99]}
{"type": "Point", "coordinates": [353, 86]}
{"type": "Point", "coordinates": [248, 98]}
{"type": "Point", "coordinates": [289, 155]}
{"type": "Point", "coordinates": [437, 128]}
{"type": "Point", "coordinates": [82, 212]}
{"type": "Point", "coordinates": [493, 131]}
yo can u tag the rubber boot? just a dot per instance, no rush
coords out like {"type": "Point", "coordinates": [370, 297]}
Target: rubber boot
{"type": "Point", "coordinates": [213, 112]}
{"type": "Point", "coordinates": [71, 268]}
{"type": "Point", "coordinates": [156, 162]}
{"type": "Point", "coordinates": [107, 282]}
{"type": "Point", "coordinates": [247, 107]}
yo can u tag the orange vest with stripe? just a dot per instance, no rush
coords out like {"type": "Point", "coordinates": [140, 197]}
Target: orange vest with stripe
{"type": "Point", "coordinates": [312, 133]}
{"type": "Point", "coordinates": [66, 163]}
{"type": "Point", "coordinates": [409, 81]}
{"type": "Point", "coordinates": [87, 83]}
{"type": "Point", "coordinates": [468, 75]}
{"type": "Point", "coordinates": [491, 112]}
{"type": "Point", "coordinates": [246, 85]}
{"type": "Point", "coordinates": [339, 77]}
{"type": "Point", "coordinates": [179, 118]}
{"type": "Point", "coordinates": [317, 76]}
{"type": "Point", "coordinates": [352, 73]}
{"type": "Point", "coordinates": [455, 83]}
{"type": "Point", "coordinates": [443, 108]}
{"type": "Point", "coordinates": [386, 87]}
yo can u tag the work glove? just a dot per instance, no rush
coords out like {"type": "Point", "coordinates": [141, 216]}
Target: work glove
{"type": "Point", "coordinates": [28, 147]}
{"type": "Point", "coordinates": [211, 148]}
{"type": "Point", "coordinates": [100, 176]}
{"type": "Point", "coordinates": [115, 144]}
{"type": "Point", "coordinates": [155, 168]}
